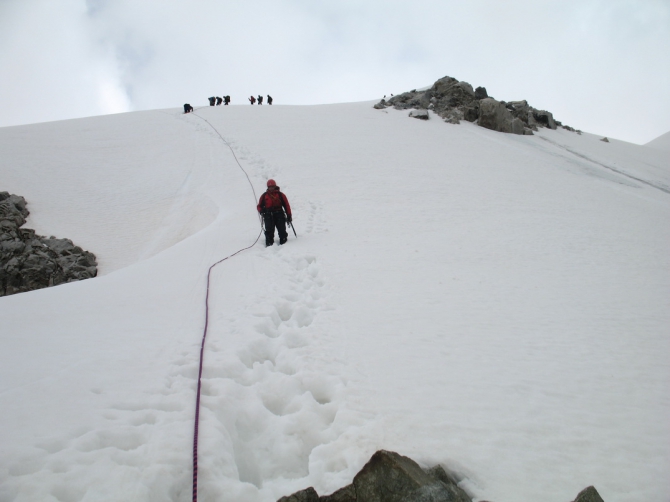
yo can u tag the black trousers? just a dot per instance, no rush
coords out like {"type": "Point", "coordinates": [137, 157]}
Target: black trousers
{"type": "Point", "coordinates": [274, 219]}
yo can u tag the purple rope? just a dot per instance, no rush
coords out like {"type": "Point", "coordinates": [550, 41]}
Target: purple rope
{"type": "Point", "coordinates": [204, 334]}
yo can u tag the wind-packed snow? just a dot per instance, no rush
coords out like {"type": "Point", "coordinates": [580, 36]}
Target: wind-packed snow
{"type": "Point", "coordinates": [495, 303]}
{"type": "Point", "coordinates": [661, 143]}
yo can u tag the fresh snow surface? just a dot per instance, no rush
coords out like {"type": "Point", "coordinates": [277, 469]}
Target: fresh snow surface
{"type": "Point", "coordinates": [495, 303]}
{"type": "Point", "coordinates": [661, 143]}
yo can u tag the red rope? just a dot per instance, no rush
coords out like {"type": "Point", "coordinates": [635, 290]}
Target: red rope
{"type": "Point", "coordinates": [202, 351]}
{"type": "Point", "coordinates": [204, 334]}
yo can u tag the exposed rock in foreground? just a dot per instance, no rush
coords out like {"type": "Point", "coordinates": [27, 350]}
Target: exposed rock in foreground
{"type": "Point", "coordinates": [29, 261]}
{"type": "Point", "coordinates": [455, 101]}
{"type": "Point", "coordinates": [390, 477]}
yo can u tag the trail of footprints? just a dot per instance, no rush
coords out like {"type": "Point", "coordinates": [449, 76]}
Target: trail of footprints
{"type": "Point", "coordinates": [264, 408]}
{"type": "Point", "coordinates": [315, 218]}
{"type": "Point", "coordinates": [271, 403]}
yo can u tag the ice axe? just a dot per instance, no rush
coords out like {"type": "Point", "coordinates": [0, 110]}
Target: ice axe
{"type": "Point", "coordinates": [290, 224]}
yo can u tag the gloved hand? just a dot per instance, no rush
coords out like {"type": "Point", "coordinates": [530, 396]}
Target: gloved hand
{"type": "Point", "coordinates": [289, 218]}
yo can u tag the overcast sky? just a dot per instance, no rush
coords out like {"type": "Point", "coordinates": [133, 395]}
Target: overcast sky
{"type": "Point", "coordinates": [602, 66]}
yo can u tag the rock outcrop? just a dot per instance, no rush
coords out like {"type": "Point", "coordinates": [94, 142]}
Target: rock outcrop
{"type": "Point", "coordinates": [391, 477]}
{"type": "Point", "coordinates": [589, 494]}
{"type": "Point", "coordinates": [29, 261]}
{"type": "Point", "coordinates": [419, 114]}
{"type": "Point", "coordinates": [454, 101]}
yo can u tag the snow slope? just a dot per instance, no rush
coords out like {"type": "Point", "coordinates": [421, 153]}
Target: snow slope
{"type": "Point", "coordinates": [660, 143]}
{"type": "Point", "coordinates": [496, 303]}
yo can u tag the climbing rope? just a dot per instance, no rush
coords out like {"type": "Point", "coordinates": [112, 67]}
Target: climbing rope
{"type": "Point", "coordinates": [204, 334]}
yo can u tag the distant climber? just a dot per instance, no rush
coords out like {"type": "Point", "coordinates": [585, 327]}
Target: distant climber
{"type": "Point", "coordinates": [188, 108]}
{"type": "Point", "coordinates": [272, 205]}
{"type": "Point", "coordinates": [260, 99]}
{"type": "Point", "coordinates": [212, 100]}
{"type": "Point", "coordinates": [269, 99]}
{"type": "Point", "coordinates": [219, 101]}
{"type": "Point", "coordinates": [252, 100]}
{"type": "Point", "coordinates": [226, 100]}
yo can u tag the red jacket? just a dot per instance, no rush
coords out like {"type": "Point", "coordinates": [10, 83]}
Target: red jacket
{"type": "Point", "coordinates": [273, 200]}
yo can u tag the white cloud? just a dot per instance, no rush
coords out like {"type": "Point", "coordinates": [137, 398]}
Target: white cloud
{"type": "Point", "coordinates": [598, 65]}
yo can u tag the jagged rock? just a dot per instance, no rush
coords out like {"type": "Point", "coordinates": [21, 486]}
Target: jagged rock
{"type": "Point", "coordinates": [29, 261]}
{"type": "Point", "coordinates": [466, 87]}
{"type": "Point", "coordinates": [589, 494]}
{"type": "Point", "coordinates": [390, 477]}
{"type": "Point", "coordinates": [516, 126]}
{"type": "Point", "coordinates": [480, 93]}
{"type": "Point", "coordinates": [346, 494]}
{"type": "Point", "coordinates": [471, 113]}
{"type": "Point", "coordinates": [440, 474]}
{"type": "Point", "coordinates": [455, 101]}
{"type": "Point", "coordinates": [605, 140]}
{"type": "Point", "coordinates": [495, 116]}
{"type": "Point", "coordinates": [437, 492]}
{"type": "Point", "coordinates": [306, 495]}
{"type": "Point", "coordinates": [545, 118]}
{"type": "Point", "coordinates": [419, 114]}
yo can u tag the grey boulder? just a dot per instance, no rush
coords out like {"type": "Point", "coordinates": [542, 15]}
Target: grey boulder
{"type": "Point", "coordinates": [29, 261]}
{"type": "Point", "coordinates": [589, 494]}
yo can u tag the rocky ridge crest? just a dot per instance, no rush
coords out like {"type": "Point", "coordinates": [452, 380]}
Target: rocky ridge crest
{"type": "Point", "coordinates": [454, 101]}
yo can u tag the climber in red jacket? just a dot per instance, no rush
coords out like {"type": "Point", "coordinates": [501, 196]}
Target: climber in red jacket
{"type": "Point", "coordinates": [272, 205]}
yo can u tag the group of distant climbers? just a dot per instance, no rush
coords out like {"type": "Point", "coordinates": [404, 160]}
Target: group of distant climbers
{"type": "Point", "coordinates": [216, 101]}
{"type": "Point", "coordinates": [253, 100]}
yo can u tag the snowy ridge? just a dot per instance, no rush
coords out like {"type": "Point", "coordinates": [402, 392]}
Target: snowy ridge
{"type": "Point", "coordinates": [494, 302]}
{"type": "Point", "coordinates": [660, 143]}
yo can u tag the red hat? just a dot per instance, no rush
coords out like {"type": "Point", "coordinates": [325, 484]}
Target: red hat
{"type": "Point", "coordinates": [271, 183]}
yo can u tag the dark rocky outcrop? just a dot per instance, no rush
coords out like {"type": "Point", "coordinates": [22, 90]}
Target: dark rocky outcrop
{"type": "Point", "coordinates": [29, 261]}
{"type": "Point", "coordinates": [306, 495]}
{"type": "Point", "coordinates": [391, 477]}
{"type": "Point", "coordinates": [480, 93]}
{"type": "Point", "coordinates": [589, 494]}
{"type": "Point", "coordinates": [454, 101]}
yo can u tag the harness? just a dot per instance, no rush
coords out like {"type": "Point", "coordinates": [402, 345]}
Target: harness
{"type": "Point", "coordinates": [272, 209]}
